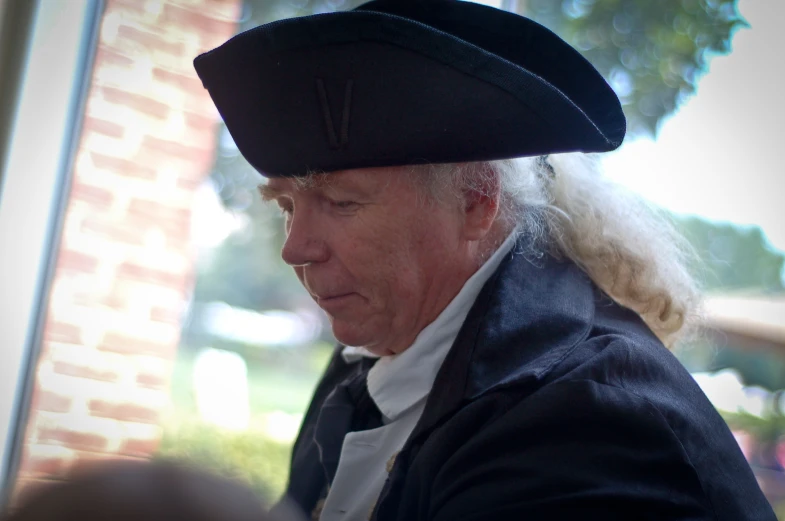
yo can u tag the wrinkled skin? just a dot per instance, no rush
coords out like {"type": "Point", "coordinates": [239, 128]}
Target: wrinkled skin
{"type": "Point", "coordinates": [380, 264]}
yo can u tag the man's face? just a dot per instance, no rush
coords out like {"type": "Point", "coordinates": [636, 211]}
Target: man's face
{"type": "Point", "coordinates": [381, 264]}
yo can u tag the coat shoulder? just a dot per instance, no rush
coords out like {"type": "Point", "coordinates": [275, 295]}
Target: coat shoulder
{"type": "Point", "coordinates": [617, 428]}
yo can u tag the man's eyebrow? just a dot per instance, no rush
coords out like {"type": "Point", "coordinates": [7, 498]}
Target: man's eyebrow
{"type": "Point", "coordinates": [271, 193]}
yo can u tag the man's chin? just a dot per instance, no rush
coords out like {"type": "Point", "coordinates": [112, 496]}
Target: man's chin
{"type": "Point", "coordinates": [350, 334]}
{"type": "Point", "coordinates": [351, 337]}
{"type": "Point", "coordinates": [348, 337]}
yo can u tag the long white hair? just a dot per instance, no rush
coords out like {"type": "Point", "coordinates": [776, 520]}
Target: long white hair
{"type": "Point", "coordinates": [568, 209]}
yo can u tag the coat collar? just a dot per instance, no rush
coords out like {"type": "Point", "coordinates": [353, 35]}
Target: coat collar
{"type": "Point", "coordinates": [528, 317]}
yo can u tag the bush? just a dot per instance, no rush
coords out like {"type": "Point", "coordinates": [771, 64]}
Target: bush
{"type": "Point", "coordinates": [249, 455]}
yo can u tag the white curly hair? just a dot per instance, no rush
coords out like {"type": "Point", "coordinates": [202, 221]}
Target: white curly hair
{"type": "Point", "coordinates": [569, 209]}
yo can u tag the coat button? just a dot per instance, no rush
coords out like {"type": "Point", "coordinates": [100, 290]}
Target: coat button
{"type": "Point", "coordinates": [391, 462]}
{"type": "Point", "coordinates": [316, 513]}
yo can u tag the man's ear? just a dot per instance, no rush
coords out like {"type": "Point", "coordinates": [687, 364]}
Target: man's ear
{"type": "Point", "coordinates": [481, 202]}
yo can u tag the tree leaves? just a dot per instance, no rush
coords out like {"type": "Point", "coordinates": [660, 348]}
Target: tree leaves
{"type": "Point", "coordinates": [651, 52]}
{"type": "Point", "coordinates": [734, 258]}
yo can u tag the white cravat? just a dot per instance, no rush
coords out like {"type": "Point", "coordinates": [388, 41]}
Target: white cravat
{"type": "Point", "coordinates": [399, 385]}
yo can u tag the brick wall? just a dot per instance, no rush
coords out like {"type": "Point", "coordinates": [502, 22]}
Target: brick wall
{"type": "Point", "coordinates": [124, 267]}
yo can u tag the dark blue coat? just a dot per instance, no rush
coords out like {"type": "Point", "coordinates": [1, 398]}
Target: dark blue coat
{"type": "Point", "coordinates": [554, 404]}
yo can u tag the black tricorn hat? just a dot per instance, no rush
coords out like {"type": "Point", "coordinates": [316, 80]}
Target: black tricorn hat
{"type": "Point", "coordinates": [398, 82]}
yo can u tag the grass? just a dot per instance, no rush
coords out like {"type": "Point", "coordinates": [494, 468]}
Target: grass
{"type": "Point", "coordinates": [249, 456]}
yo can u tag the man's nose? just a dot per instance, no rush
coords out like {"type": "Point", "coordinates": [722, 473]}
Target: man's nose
{"type": "Point", "coordinates": [304, 242]}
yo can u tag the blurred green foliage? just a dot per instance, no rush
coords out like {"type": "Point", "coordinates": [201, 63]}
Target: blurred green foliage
{"type": "Point", "coordinates": [652, 52]}
{"type": "Point", "coordinates": [277, 381]}
{"type": "Point", "coordinates": [248, 456]}
{"type": "Point", "coordinates": [246, 269]}
{"type": "Point", "coordinates": [734, 258]}
{"type": "Point", "coordinates": [767, 429]}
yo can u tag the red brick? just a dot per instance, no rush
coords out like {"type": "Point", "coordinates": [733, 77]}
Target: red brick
{"type": "Point", "coordinates": [191, 178]}
{"type": "Point", "coordinates": [168, 316]}
{"type": "Point", "coordinates": [62, 332]}
{"type": "Point", "coordinates": [175, 222]}
{"type": "Point", "coordinates": [124, 411]}
{"type": "Point", "coordinates": [143, 207]}
{"type": "Point", "coordinates": [50, 401]}
{"type": "Point", "coordinates": [189, 183]}
{"type": "Point", "coordinates": [106, 56]}
{"type": "Point", "coordinates": [86, 461]}
{"type": "Point", "coordinates": [194, 20]}
{"type": "Point", "coordinates": [122, 166]}
{"type": "Point", "coordinates": [133, 271]}
{"type": "Point", "coordinates": [126, 5]}
{"type": "Point", "coordinates": [50, 466]}
{"type": "Point", "coordinates": [116, 232]}
{"type": "Point", "coordinates": [199, 121]}
{"type": "Point", "coordinates": [150, 41]}
{"type": "Point", "coordinates": [180, 242]}
{"type": "Point", "coordinates": [125, 344]}
{"type": "Point", "coordinates": [200, 135]}
{"type": "Point", "coordinates": [222, 9]}
{"type": "Point", "coordinates": [116, 299]}
{"type": "Point", "coordinates": [201, 106]}
{"type": "Point", "coordinates": [173, 148]}
{"type": "Point", "coordinates": [116, 302]}
{"type": "Point", "coordinates": [137, 102]}
{"type": "Point", "coordinates": [123, 291]}
{"type": "Point", "coordinates": [45, 466]}
{"type": "Point", "coordinates": [87, 298]}
{"type": "Point", "coordinates": [76, 261]}
{"type": "Point", "coordinates": [83, 371]}
{"type": "Point", "coordinates": [102, 126]}
{"type": "Point", "coordinates": [188, 83]}
{"type": "Point", "coordinates": [73, 439]}
{"type": "Point", "coordinates": [95, 195]}
{"type": "Point", "coordinates": [209, 41]}
{"type": "Point", "coordinates": [153, 381]}
{"type": "Point", "coordinates": [143, 448]}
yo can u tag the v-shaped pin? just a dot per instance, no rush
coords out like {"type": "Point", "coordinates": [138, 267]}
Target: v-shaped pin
{"type": "Point", "coordinates": [336, 141]}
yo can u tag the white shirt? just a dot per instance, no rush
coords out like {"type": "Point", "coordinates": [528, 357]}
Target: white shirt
{"type": "Point", "coordinates": [399, 385]}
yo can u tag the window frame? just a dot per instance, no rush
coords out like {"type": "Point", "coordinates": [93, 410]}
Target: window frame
{"type": "Point", "coordinates": [35, 179]}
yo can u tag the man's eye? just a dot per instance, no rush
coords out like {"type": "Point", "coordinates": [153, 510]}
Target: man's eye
{"type": "Point", "coordinates": [344, 205]}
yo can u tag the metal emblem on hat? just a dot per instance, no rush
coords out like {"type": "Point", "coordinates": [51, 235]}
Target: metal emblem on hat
{"type": "Point", "coordinates": [337, 141]}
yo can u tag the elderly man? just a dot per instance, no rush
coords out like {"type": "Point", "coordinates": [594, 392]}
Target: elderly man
{"type": "Point", "coordinates": [503, 312]}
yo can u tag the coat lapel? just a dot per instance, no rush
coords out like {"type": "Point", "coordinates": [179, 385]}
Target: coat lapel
{"type": "Point", "coordinates": [526, 319]}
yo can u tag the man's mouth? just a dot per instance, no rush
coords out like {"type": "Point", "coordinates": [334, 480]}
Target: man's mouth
{"type": "Point", "coordinates": [334, 300]}
{"type": "Point", "coordinates": [325, 298]}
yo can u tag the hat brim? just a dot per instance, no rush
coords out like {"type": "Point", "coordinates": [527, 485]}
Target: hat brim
{"type": "Point", "coordinates": [366, 89]}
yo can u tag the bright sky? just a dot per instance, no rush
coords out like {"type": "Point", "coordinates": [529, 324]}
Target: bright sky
{"type": "Point", "coordinates": [717, 157]}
